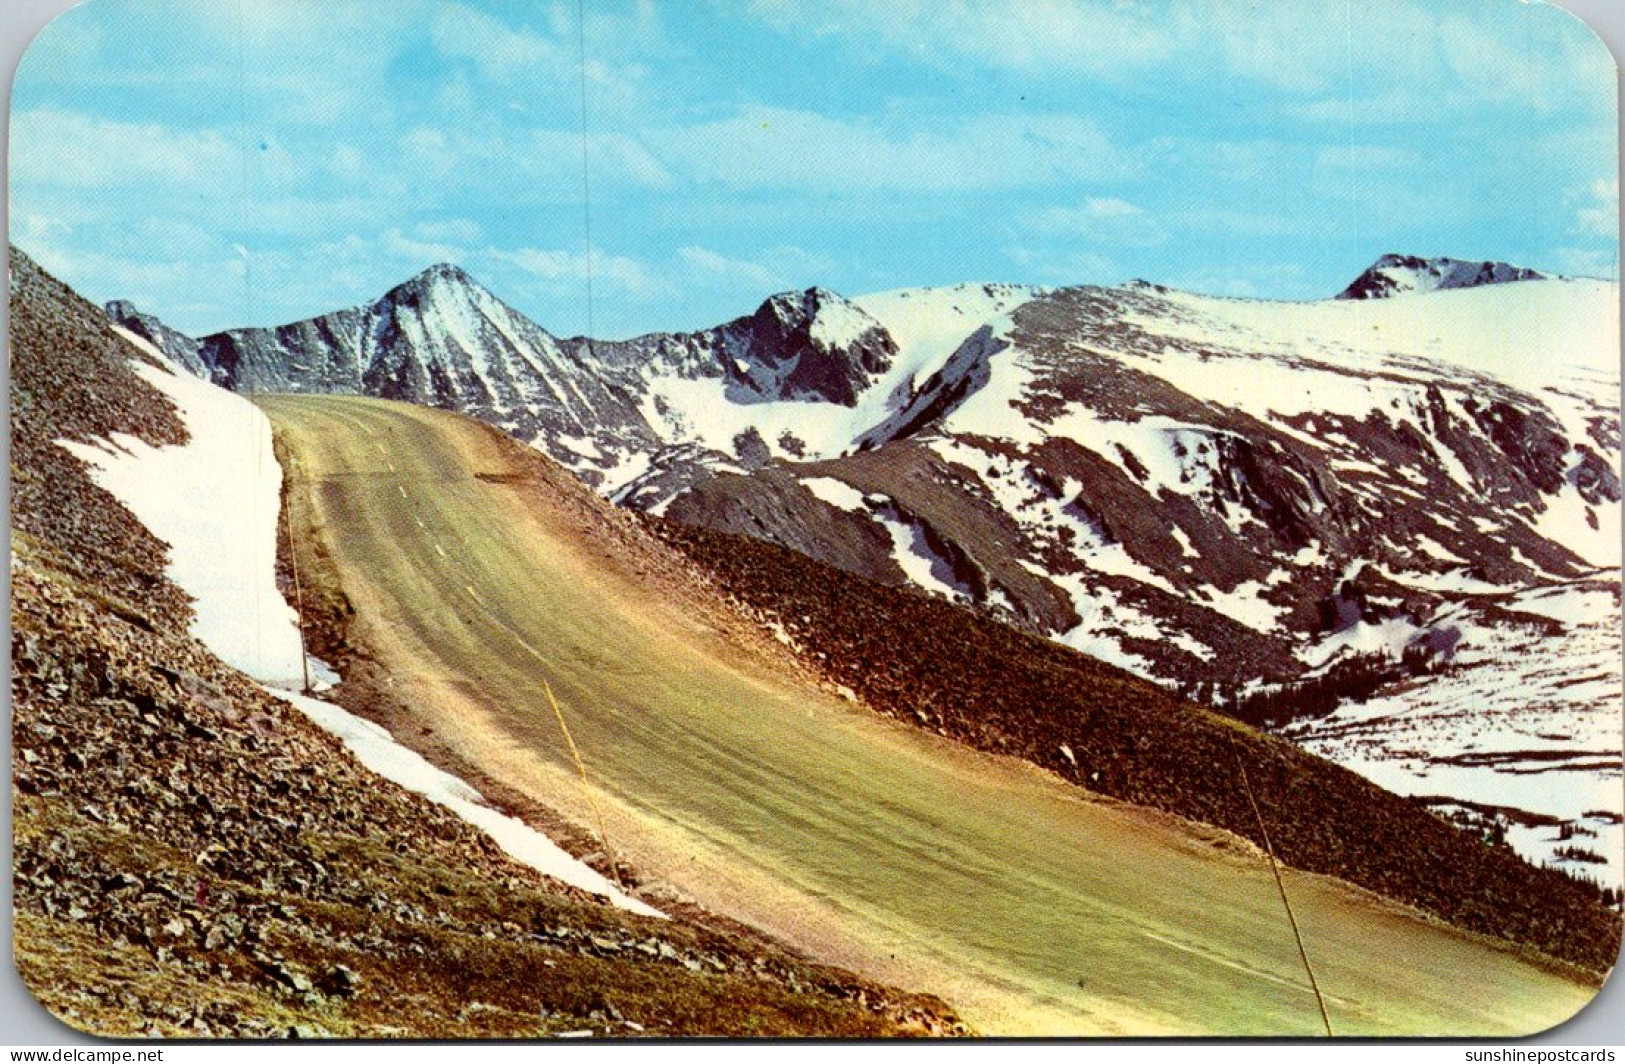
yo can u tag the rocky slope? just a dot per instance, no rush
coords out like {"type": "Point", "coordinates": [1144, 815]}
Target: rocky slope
{"type": "Point", "coordinates": [1242, 499]}
{"type": "Point", "coordinates": [194, 858]}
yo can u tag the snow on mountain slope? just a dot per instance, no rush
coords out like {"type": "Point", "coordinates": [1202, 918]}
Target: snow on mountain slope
{"type": "Point", "coordinates": [440, 339]}
{"type": "Point", "coordinates": [710, 427]}
{"type": "Point", "coordinates": [1554, 340]}
{"type": "Point", "coordinates": [174, 346]}
{"type": "Point", "coordinates": [1221, 494]}
{"type": "Point", "coordinates": [1536, 335]}
{"type": "Point", "coordinates": [803, 377]}
{"type": "Point", "coordinates": [1458, 426]}
{"type": "Point", "coordinates": [1230, 452]}
{"type": "Point", "coordinates": [930, 324]}
{"type": "Point", "coordinates": [1522, 734]}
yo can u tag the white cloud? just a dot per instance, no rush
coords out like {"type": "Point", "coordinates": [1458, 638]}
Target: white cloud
{"type": "Point", "coordinates": [1034, 35]}
{"type": "Point", "coordinates": [347, 163]}
{"type": "Point", "coordinates": [1598, 213]}
{"type": "Point", "coordinates": [1366, 157]}
{"type": "Point", "coordinates": [1405, 106]}
{"type": "Point", "coordinates": [181, 287]}
{"type": "Point", "coordinates": [426, 252]}
{"type": "Point", "coordinates": [57, 147]}
{"type": "Point", "coordinates": [715, 269]}
{"type": "Point", "coordinates": [1103, 220]}
{"type": "Point", "coordinates": [1236, 222]}
{"type": "Point", "coordinates": [533, 164]}
{"type": "Point", "coordinates": [33, 228]}
{"type": "Point", "coordinates": [1296, 47]}
{"type": "Point", "coordinates": [1552, 64]}
{"type": "Point", "coordinates": [538, 65]}
{"type": "Point", "coordinates": [462, 230]}
{"type": "Point", "coordinates": [1501, 52]}
{"type": "Point", "coordinates": [1243, 281]}
{"type": "Point", "coordinates": [1304, 48]}
{"type": "Point", "coordinates": [1050, 266]}
{"type": "Point", "coordinates": [295, 62]}
{"type": "Point", "coordinates": [1241, 162]}
{"type": "Point", "coordinates": [1587, 262]}
{"type": "Point", "coordinates": [611, 272]}
{"type": "Point", "coordinates": [1110, 207]}
{"type": "Point", "coordinates": [495, 48]}
{"type": "Point", "coordinates": [776, 148]}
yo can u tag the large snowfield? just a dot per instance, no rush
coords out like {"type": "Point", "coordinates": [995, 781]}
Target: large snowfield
{"type": "Point", "coordinates": [216, 501]}
{"type": "Point", "coordinates": [1525, 728]}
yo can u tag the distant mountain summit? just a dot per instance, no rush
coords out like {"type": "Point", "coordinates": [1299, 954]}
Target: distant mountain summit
{"type": "Point", "coordinates": [439, 339]}
{"type": "Point", "coordinates": [813, 345]}
{"type": "Point", "coordinates": [1395, 274]}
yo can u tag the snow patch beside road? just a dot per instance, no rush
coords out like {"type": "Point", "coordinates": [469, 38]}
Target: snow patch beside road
{"type": "Point", "coordinates": [375, 748]}
{"type": "Point", "coordinates": [215, 501]}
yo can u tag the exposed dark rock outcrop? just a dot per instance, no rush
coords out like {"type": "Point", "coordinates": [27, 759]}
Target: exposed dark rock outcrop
{"type": "Point", "coordinates": [1393, 274]}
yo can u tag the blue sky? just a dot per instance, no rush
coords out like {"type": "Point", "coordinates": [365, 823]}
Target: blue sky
{"type": "Point", "coordinates": [256, 162]}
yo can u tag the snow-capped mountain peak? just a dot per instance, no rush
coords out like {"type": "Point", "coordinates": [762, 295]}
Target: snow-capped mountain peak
{"type": "Point", "coordinates": [1398, 274]}
{"type": "Point", "coordinates": [812, 346]}
{"type": "Point", "coordinates": [441, 282]}
{"type": "Point", "coordinates": [445, 273]}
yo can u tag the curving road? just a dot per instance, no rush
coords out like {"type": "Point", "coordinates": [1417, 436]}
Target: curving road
{"type": "Point", "coordinates": [1032, 908]}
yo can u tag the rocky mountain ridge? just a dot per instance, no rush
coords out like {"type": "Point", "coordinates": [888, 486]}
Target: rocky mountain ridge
{"type": "Point", "coordinates": [443, 340]}
{"type": "Point", "coordinates": [1121, 468]}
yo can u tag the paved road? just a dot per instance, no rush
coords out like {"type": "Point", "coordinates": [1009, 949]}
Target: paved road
{"type": "Point", "coordinates": [872, 845]}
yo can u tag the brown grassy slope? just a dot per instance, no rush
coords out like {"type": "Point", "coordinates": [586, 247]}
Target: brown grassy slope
{"type": "Point", "coordinates": [947, 669]}
{"type": "Point", "coordinates": [194, 858]}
